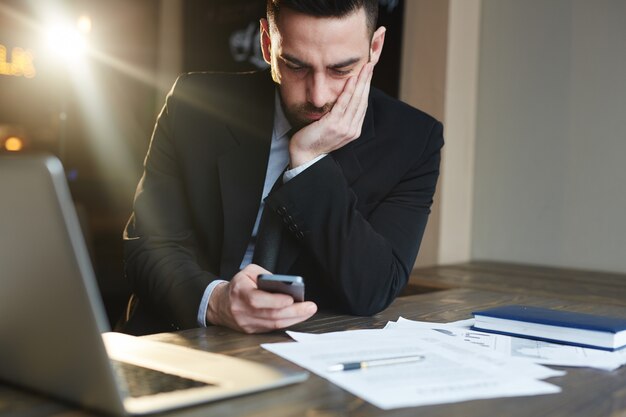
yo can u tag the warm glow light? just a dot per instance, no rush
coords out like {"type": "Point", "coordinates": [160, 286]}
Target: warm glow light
{"type": "Point", "coordinates": [20, 64]}
{"type": "Point", "coordinates": [67, 42]}
{"type": "Point", "coordinates": [13, 144]}
{"type": "Point", "coordinates": [84, 24]}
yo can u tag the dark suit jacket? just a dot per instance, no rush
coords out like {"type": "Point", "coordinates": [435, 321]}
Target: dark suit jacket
{"type": "Point", "coordinates": [354, 219]}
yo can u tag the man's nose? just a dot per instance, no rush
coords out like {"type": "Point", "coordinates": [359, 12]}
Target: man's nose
{"type": "Point", "coordinates": [319, 90]}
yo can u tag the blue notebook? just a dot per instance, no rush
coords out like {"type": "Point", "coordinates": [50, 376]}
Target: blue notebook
{"type": "Point", "coordinates": [586, 330]}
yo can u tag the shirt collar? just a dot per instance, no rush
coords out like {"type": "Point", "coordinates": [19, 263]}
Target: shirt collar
{"type": "Point", "coordinates": [281, 124]}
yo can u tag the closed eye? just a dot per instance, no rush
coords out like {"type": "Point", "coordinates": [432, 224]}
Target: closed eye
{"type": "Point", "coordinates": [341, 72]}
{"type": "Point", "coordinates": [293, 64]}
{"type": "Point", "coordinates": [293, 67]}
{"type": "Point", "coordinates": [345, 67]}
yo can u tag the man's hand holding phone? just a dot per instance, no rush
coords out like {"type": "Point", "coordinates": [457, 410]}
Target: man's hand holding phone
{"type": "Point", "coordinates": [241, 305]}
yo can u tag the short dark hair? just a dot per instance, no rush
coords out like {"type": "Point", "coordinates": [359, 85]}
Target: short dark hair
{"type": "Point", "coordinates": [326, 8]}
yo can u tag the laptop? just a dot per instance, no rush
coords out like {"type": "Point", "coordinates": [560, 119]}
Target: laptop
{"type": "Point", "coordinates": [55, 337]}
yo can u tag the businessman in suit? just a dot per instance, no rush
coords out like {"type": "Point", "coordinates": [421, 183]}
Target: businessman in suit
{"type": "Point", "coordinates": [347, 172]}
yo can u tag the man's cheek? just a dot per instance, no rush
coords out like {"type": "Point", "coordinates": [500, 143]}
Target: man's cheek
{"type": "Point", "coordinates": [339, 87]}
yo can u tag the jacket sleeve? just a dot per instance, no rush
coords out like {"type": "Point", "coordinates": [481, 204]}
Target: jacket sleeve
{"type": "Point", "coordinates": [160, 249]}
{"type": "Point", "coordinates": [366, 249]}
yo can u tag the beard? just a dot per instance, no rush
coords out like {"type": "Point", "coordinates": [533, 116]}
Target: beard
{"type": "Point", "coordinates": [297, 113]}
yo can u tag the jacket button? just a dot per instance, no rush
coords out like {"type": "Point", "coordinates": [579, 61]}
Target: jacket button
{"type": "Point", "coordinates": [293, 228]}
{"type": "Point", "coordinates": [300, 235]}
{"type": "Point", "coordinates": [281, 210]}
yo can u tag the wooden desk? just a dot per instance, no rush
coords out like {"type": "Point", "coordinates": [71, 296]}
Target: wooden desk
{"type": "Point", "coordinates": [586, 392]}
{"type": "Point", "coordinates": [585, 286]}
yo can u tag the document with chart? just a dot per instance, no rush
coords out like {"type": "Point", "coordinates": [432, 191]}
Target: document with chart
{"type": "Point", "coordinates": [537, 351]}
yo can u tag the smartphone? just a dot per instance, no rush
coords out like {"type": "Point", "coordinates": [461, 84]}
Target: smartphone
{"type": "Point", "coordinates": [292, 285]}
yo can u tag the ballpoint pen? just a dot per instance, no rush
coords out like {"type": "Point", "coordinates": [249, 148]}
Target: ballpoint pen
{"type": "Point", "coordinates": [350, 366]}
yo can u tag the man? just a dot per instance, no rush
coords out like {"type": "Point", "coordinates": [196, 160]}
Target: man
{"type": "Point", "coordinates": [361, 170]}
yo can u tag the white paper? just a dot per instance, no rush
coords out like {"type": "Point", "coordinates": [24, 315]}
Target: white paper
{"type": "Point", "coordinates": [401, 335]}
{"type": "Point", "coordinates": [450, 372]}
{"type": "Point", "coordinates": [541, 352]}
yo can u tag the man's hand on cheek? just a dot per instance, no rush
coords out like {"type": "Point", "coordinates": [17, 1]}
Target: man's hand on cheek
{"type": "Point", "coordinates": [240, 305]}
{"type": "Point", "coordinates": [338, 127]}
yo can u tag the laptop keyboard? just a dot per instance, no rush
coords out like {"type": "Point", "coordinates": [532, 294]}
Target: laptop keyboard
{"type": "Point", "coordinates": [140, 381]}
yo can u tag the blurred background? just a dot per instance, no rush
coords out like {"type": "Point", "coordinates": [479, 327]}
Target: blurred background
{"type": "Point", "coordinates": [85, 79]}
{"type": "Point", "coordinates": [532, 94]}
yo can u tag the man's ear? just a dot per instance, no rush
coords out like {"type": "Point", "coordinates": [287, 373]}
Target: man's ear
{"type": "Point", "coordinates": [266, 42]}
{"type": "Point", "coordinates": [376, 48]}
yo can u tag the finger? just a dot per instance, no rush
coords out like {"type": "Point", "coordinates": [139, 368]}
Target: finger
{"type": "Point", "coordinates": [255, 310]}
{"type": "Point", "coordinates": [344, 98]}
{"type": "Point", "coordinates": [295, 310]}
{"type": "Point", "coordinates": [259, 299]}
{"type": "Point", "coordinates": [361, 87]}
{"type": "Point", "coordinates": [344, 110]}
{"type": "Point", "coordinates": [304, 311]}
{"type": "Point", "coordinates": [256, 325]}
{"type": "Point", "coordinates": [357, 121]}
{"type": "Point", "coordinates": [281, 324]}
{"type": "Point", "coordinates": [272, 319]}
{"type": "Point", "coordinates": [253, 271]}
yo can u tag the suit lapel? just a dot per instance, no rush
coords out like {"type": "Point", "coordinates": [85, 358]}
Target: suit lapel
{"type": "Point", "coordinates": [242, 175]}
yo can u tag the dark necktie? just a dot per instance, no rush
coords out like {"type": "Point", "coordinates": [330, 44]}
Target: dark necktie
{"type": "Point", "coordinates": [269, 235]}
